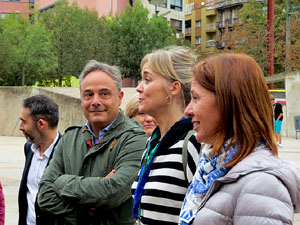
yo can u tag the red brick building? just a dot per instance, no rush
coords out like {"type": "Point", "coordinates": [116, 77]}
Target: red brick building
{"type": "Point", "coordinates": [19, 6]}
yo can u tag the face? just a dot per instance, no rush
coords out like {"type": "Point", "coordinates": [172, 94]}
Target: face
{"type": "Point", "coordinates": [29, 128]}
{"type": "Point", "coordinates": [147, 121]}
{"type": "Point", "coordinates": [152, 91]}
{"type": "Point", "coordinates": [273, 101]}
{"type": "Point", "coordinates": [204, 112]}
{"type": "Point", "coordinates": [100, 99]}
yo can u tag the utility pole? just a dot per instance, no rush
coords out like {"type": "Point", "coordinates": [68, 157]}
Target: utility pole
{"type": "Point", "coordinates": [270, 41]}
{"type": "Point", "coordinates": [287, 36]}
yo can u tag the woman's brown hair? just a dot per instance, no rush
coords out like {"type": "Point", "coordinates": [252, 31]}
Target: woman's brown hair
{"type": "Point", "coordinates": [243, 101]}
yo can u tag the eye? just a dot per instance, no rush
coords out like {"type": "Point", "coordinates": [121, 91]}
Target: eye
{"type": "Point", "coordinates": [87, 95]}
{"type": "Point", "coordinates": [104, 94]}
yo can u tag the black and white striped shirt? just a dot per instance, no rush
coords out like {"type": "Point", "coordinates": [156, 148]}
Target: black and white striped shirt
{"type": "Point", "coordinates": [167, 184]}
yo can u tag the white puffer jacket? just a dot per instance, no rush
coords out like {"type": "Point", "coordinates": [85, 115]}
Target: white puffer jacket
{"type": "Point", "coordinates": [260, 190]}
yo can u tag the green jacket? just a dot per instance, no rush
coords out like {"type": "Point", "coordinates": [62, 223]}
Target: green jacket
{"type": "Point", "coordinates": [74, 182]}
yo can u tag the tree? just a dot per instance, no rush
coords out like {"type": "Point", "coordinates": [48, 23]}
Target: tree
{"type": "Point", "coordinates": [26, 52]}
{"type": "Point", "coordinates": [77, 36]}
{"type": "Point", "coordinates": [250, 36]}
{"type": "Point", "coordinates": [132, 35]}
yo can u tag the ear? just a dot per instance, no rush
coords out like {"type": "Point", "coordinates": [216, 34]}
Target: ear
{"type": "Point", "coordinates": [175, 88]}
{"type": "Point", "coordinates": [41, 124]}
{"type": "Point", "coordinates": [121, 94]}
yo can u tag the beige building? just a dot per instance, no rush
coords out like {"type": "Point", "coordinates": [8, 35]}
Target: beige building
{"type": "Point", "coordinates": [200, 24]}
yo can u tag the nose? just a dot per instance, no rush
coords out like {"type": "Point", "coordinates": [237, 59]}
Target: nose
{"type": "Point", "coordinates": [148, 118]}
{"type": "Point", "coordinates": [21, 127]}
{"type": "Point", "coordinates": [189, 111]}
{"type": "Point", "coordinates": [139, 88]}
{"type": "Point", "coordinates": [96, 102]}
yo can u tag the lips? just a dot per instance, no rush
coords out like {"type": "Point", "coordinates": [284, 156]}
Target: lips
{"type": "Point", "coordinates": [195, 123]}
{"type": "Point", "coordinates": [97, 110]}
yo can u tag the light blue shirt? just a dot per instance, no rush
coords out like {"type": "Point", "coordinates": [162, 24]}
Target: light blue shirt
{"type": "Point", "coordinates": [101, 132]}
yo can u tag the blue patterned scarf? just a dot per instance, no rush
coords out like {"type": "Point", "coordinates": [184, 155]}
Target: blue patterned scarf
{"type": "Point", "coordinates": [208, 170]}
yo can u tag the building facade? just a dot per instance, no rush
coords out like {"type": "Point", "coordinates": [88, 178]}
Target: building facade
{"type": "Point", "coordinates": [103, 7]}
{"type": "Point", "coordinates": [200, 24]}
{"type": "Point", "coordinates": [23, 7]}
{"type": "Point", "coordinates": [228, 16]}
{"type": "Point", "coordinates": [172, 10]}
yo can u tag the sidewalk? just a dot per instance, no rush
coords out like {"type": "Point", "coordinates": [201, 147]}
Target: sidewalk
{"type": "Point", "coordinates": [12, 162]}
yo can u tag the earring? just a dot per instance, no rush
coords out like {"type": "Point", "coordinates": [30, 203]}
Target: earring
{"type": "Point", "coordinates": [168, 100]}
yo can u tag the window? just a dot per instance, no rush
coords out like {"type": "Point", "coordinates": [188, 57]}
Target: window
{"type": "Point", "coordinates": [164, 5]}
{"type": "Point", "coordinates": [177, 24]}
{"type": "Point", "coordinates": [198, 40]}
{"type": "Point", "coordinates": [198, 23]}
{"type": "Point", "coordinates": [176, 5]}
{"type": "Point", "coordinates": [31, 4]}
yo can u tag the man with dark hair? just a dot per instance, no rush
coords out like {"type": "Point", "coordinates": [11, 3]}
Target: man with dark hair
{"type": "Point", "coordinates": [77, 187]}
{"type": "Point", "coordinates": [39, 120]}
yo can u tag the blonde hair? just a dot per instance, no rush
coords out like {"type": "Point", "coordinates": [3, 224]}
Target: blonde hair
{"type": "Point", "coordinates": [132, 106]}
{"type": "Point", "coordinates": [175, 63]}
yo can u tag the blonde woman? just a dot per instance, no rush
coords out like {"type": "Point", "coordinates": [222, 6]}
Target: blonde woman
{"type": "Point", "coordinates": [164, 178]}
{"type": "Point", "coordinates": [132, 111]}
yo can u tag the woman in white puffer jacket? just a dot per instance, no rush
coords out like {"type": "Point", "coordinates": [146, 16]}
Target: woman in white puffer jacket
{"type": "Point", "coordinates": [239, 179]}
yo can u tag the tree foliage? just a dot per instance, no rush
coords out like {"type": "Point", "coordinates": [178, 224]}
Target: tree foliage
{"type": "Point", "coordinates": [62, 40]}
{"type": "Point", "coordinates": [132, 35]}
{"type": "Point", "coordinates": [77, 36]}
{"type": "Point", "coordinates": [26, 51]}
{"type": "Point", "coordinates": [250, 35]}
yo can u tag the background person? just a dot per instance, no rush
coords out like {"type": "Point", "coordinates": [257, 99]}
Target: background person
{"type": "Point", "coordinates": [278, 117]}
{"type": "Point", "coordinates": [163, 94]}
{"type": "Point", "coordinates": [39, 119]}
{"type": "Point", "coordinates": [2, 206]}
{"type": "Point", "coordinates": [132, 111]}
{"type": "Point", "coordinates": [239, 179]}
{"type": "Point", "coordinates": [77, 187]}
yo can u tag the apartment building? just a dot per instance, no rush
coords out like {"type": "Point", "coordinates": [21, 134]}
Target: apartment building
{"type": "Point", "coordinates": [228, 16]}
{"type": "Point", "coordinates": [200, 24]}
{"type": "Point", "coordinates": [172, 10]}
{"type": "Point", "coordinates": [23, 7]}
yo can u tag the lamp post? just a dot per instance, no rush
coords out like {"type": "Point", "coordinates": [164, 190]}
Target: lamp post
{"type": "Point", "coordinates": [270, 41]}
{"type": "Point", "coordinates": [287, 36]}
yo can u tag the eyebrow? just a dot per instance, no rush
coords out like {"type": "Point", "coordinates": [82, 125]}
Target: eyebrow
{"type": "Point", "coordinates": [102, 89]}
{"type": "Point", "coordinates": [22, 119]}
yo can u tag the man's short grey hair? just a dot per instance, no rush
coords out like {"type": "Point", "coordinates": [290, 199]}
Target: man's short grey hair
{"type": "Point", "coordinates": [111, 71]}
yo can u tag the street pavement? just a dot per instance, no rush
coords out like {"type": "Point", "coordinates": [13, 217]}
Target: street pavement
{"type": "Point", "coordinates": [12, 162]}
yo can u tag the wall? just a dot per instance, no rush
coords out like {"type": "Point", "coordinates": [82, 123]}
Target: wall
{"type": "Point", "coordinates": [292, 87]}
{"type": "Point", "coordinates": [68, 100]}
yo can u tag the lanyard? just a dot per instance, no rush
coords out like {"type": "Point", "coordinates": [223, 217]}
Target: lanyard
{"type": "Point", "coordinates": [145, 171]}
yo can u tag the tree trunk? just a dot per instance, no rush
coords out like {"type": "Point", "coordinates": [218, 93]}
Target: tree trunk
{"type": "Point", "coordinates": [23, 76]}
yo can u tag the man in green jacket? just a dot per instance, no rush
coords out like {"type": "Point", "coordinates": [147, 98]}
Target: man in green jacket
{"type": "Point", "coordinates": [89, 178]}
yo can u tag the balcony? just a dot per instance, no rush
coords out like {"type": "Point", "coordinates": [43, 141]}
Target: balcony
{"type": "Point", "coordinates": [210, 43]}
{"type": "Point", "coordinates": [189, 8]}
{"type": "Point", "coordinates": [211, 12]}
{"type": "Point", "coordinates": [224, 4]}
{"type": "Point", "coordinates": [220, 45]}
{"type": "Point", "coordinates": [211, 27]}
{"type": "Point", "coordinates": [220, 24]}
